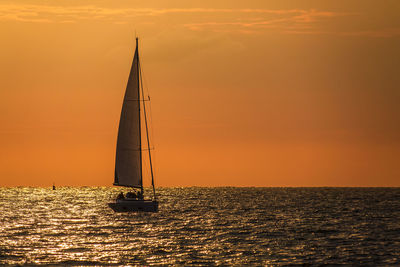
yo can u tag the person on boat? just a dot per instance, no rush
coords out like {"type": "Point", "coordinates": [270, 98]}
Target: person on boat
{"type": "Point", "coordinates": [120, 196]}
{"type": "Point", "coordinates": [140, 195]}
{"type": "Point", "coordinates": [131, 195]}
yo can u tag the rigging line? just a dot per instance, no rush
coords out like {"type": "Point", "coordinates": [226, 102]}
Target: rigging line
{"type": "Point", "coordinates": [151, 123]}
{"type": "Point", "coordinates": [147, 133]}
{"type": "Point", "coordinates": [150, 112]}
{"type": "Point", "coordinates": [140, 130]}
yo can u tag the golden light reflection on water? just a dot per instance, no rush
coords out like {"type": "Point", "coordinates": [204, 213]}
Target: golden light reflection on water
{"type": "Point", "coordinates": [201, 226]}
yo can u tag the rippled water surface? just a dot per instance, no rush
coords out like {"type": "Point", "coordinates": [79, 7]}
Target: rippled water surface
{"type": "Point", "coordinates": [202, 226]}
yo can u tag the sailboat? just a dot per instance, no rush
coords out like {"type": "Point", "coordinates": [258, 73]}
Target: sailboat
{"type": "Point", "coordinates": [129, 152]}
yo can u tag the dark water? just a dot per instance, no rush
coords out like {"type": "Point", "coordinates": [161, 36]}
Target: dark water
{"type": "Point", "coordinates": [202, 226]}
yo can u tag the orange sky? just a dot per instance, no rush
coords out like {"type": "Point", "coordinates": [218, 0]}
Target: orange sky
{"type": "Point", "coordinates": [253, 93]}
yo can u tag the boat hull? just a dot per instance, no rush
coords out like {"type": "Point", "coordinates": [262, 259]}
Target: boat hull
{"type": "Point", "coordinates": [134, 205]}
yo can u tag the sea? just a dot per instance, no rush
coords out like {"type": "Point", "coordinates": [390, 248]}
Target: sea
{"type": "Point", "coordinates": [195, 226]}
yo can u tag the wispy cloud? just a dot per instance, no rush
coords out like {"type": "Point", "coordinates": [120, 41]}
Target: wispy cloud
{"type": "Point", "coordinates": [285, 21]}
{"type": "Point", "coordinates": [40, 13]}
{"type": "Point", "coordinates": [384, 33]}
{"type": "Point", "coordinates": [288, 21]}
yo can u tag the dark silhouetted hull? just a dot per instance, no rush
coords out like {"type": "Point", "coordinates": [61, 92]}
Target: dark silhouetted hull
{"type": "Point", "coordinates": [134, 205]}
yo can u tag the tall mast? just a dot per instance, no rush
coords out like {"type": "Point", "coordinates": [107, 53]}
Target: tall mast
{"type": "Point", "coordinates": [147, 134]}
{"type": "Point", "coordinates": [140, 130]}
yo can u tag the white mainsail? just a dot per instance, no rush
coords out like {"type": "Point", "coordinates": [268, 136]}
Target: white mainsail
{"type": "Point", "coordinates": [128, 161]}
